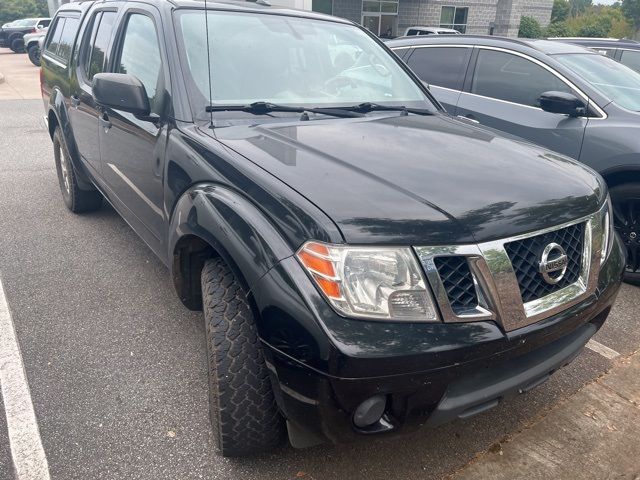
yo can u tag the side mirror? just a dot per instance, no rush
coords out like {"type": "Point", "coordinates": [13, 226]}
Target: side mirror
{"type": "Point", "coordinates": [563, 103]}
{"type": "Point", "coordinates": [121, 91]}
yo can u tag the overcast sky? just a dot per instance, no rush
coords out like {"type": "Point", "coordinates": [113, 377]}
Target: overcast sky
{"type": "Point", "coordinates": [604, 2]}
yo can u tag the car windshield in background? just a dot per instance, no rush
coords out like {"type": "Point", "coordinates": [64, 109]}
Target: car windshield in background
{"type": "Point", "coordinates": [289, 60]}
{"type": "Point", "coordinates": [25, 22]}
{"type": "Point", "coordinates": [617, 82]}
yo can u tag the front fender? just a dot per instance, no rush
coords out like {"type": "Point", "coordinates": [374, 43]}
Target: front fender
{"type": "Point", "coordinates": [232, 226]}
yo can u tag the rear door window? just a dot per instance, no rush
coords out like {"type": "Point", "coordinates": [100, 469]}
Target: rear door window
{"type": "Point", "coordinates": [61, 41]}
{"type": "Point", "coordinates": [441, 66]}
{"type": "Point", "coordinates": [512, 78]}
{"type": "Point", "coordinates": [53, 39]}
{"type": "Point", "coordinates": [631, 59]}
{"type": "Point", "coordinates": [67, 38]}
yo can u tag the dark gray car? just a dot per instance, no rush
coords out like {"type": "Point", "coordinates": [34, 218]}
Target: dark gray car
{"type": "Point", "coordinates": [570, 99]}
{"type": "Point", "coordinates": [624, 51]}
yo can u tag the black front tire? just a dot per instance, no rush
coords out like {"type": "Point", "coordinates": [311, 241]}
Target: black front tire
{"type": "Point", "coordinates": [76, 199]}
{"type": "Point", "coordinates": [242, 407]}
{"type": "Point", "coordinates": [626, 209]}
{"type": "Point", "coordinates": [34, 54]}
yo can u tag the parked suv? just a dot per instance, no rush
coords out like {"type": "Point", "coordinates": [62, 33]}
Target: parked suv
{"type": "Point", "coordinates": [624, 51]}
{"type": "Point", "coordinates": [561, 96]}
{"type": "Point", "coordinates": [32, 43]}
{"type": "Point", "coordinates": [11, 35]}
{"type": "Point", "coordinates": [412, 31]}
{"type": "Point", "coordinates": [366, 264]}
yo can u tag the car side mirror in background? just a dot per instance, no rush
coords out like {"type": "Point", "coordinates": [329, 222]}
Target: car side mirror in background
{"type": "Point", "coordinates": [563, 103]}
{"type": "Point", "coordinates": [122, 92]}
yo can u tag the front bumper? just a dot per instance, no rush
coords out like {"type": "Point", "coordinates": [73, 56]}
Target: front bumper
{"type": "Point", "coordinates": [429, 373]}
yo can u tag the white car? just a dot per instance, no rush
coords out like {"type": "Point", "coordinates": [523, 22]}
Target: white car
{"type": "Point", "coordinates": [430, 31]}
{"type": "Point", "coordinates": [32, 45]}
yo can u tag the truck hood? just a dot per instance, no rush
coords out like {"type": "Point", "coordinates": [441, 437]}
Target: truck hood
{"type": "Point", "coordinates": [419, 180]}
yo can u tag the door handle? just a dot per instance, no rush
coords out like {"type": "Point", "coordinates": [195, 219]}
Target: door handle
{"type": "Point", "coordinates": [104, 121]}
{"type": "Point", "coordinates": [75, 101]}
{"type": "Point", "coordinates": [469, 118]}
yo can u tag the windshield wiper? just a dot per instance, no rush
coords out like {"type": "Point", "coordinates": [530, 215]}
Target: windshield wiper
{"type": "Point", "coordinates": [262, 108]}
{"type": "Point", "coordinates": [367, 107]}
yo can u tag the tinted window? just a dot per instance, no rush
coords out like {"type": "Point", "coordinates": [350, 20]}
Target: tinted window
{"type": "Point", "coordinates": [140, 54]}
{"type": "Point", "coordinates": [631, 59]}
{"type": "Point", "coordinates": [67, 37]}
{"type": "Point", "coordinates": [100, 43]}
{"type": "Point", "coordinates": [515, 79]}
{"type": "Point", "coordinates": [614, 80]}
{"type": "Point", "coordinates": [53, 39]}
{"type": "Point", "coordinates": [44, 23]}
{"type": "Point", "coordinates": [441, 66]}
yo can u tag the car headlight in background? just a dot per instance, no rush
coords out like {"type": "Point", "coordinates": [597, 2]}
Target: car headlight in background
{"type": "Point", "coordinates": [606, 219]}
{"type": "Point", "coordinates": [370, 282]}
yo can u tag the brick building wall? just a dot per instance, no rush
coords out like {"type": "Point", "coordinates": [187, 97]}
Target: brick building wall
{"type": "Point", "coordinates": [349, 9]}
{"type": "Point", "coordinates": [504, 14]}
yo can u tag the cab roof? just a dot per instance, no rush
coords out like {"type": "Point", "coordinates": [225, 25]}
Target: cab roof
{"type": "Point", "coordinates": [543, 46]}
{"type": "Point", "coordinates": [260, 6]}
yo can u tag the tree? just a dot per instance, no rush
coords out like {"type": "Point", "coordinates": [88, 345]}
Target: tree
{"type": "Point", "coordinates": [600, 21]}
{"type": "Point", "coordinates": [631, 9]}
{"type": "Point", "coordinates": [558, 29]}
{"type": "Point", "coordinates": [14, 9]}
{"type": "Point", "coordinates": [578, 7]}
{"type": "Point", "coordinates": [529, 28]}
{"type": "Point", "coordinates": [560, 11]}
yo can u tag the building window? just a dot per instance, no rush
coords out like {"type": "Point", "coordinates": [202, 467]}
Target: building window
{"type": "Point", "coordinates": [377, 6]}
{"type": "Point", "coordinates": [454, 17]}
{"type": "Point", "coordinates": [380, 17]}
{"type": "Point", "coordinates": [322, 6]}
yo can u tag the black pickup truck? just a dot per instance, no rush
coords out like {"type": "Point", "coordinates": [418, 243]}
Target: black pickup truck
{"type": "Point", "coordinates": [12, 35]}
{"type": "Point", "coordinates": [366, 264]}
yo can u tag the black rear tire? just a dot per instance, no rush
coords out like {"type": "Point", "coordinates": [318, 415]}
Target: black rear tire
{"type": "Point", "coordinates": [76, 199]}
{"type": "Point", "coordinates": [242, 407]}
{"type": "Point", "coordinates": [34, 54]}
{"type": "Point", "coordinates": [626, 208]}
{"type": "Point", "coordinates": [17, 45]}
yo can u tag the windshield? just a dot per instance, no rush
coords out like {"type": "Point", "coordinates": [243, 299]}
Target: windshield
{"type": "Point", "coordinates": [26, 22]}
{"type": "Point", "coordinates": [615, 81]}
{"type": "Point", "coordinates": [289, 60]}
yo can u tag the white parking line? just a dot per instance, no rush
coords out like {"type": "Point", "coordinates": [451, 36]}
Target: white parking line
{"type": "Point", "coordinates": [602, 349]}
{"type": "Point", "coordinates": [28, 455]}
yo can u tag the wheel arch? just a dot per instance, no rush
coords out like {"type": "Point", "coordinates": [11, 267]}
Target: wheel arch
{"type": "Point", "coordinates": [622, 174]}
{"type": "Point", "coordinates": [57, 117]}
{"type": "Point", "coordinates": [212, 220]}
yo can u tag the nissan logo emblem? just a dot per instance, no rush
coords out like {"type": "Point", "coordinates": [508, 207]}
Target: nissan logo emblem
{"type": "Point", "coordinates": [553, 264]}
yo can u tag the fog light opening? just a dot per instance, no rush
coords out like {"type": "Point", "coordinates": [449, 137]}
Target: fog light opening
{"type": "Point", "coordinates": [370, 411]}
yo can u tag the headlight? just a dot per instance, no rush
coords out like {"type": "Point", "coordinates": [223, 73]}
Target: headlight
{"type": "Point", "coordinates": [606, 219]}
{"type": "Point", "coordinates": [370, 282]}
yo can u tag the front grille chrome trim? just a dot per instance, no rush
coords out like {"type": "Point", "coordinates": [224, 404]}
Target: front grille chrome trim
{"type": "Point", "coordinates": [496, 284]}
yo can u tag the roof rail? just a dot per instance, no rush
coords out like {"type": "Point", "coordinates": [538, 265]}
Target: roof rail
{"type": "Point", "coordinates": [596, 39]}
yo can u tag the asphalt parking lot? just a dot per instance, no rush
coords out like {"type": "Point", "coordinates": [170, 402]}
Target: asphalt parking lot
{"type": "Point", "coordinates": [116, 366]}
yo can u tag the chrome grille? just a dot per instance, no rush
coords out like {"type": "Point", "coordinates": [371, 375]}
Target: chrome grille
{"type": "Point", "coordinates": [497, 280]}
{"type": "Point", "coordinates": [458, 282]}
{"type": "Point", "coordinates": [525, 258]}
